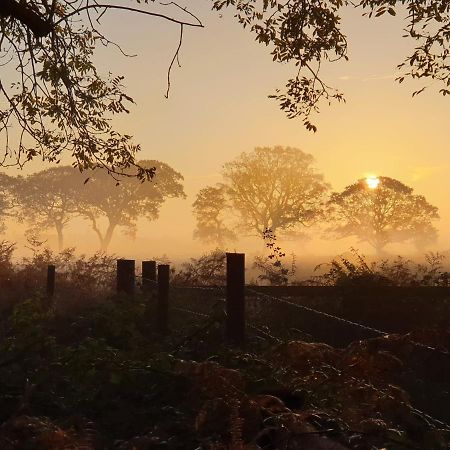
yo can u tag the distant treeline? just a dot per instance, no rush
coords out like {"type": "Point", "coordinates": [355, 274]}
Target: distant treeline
{"type": "Point", "coordinates": [50, 199]}
{"type": "Point", "coordinates": [271, 188]}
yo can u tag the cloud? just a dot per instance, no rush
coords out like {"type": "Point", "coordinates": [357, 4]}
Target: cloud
{"type": "Point", "coordinates": [368, 78]}
{"type": "Point", "coordinates": [380, 77]}
{"type": "Point", "coordinates": [419, 173]}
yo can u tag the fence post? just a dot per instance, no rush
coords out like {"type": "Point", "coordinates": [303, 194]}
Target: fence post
{"type": "Point", "coordinates": [235, 320]}
{"type": "Point", "coordinates": [162, 306]}
{"type": "Point", "coordinates": [125, 276]}
{"type": "Point", "coordinates": [51, 275]}
{"type": "Point", "coordinates": [148, 275]}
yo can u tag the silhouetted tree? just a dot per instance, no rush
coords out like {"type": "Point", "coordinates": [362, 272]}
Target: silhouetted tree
{"type": "Point", "coordinates": [8, 201]}
{"type": "Point", "coordinates": [60, 103]}
{"type": "Point", "coordinates": [272, 188]}
{"type": "Point", "coordinates": [122, 203]}
{"type": "Point", "coordinates": [380, 215]}
{"type": "Point", "coordinates": [50, 199]}
{"type": "Point", "coordinates": [211, 209]}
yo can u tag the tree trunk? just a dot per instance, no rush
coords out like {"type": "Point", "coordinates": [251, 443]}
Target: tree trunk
{"type": "Point", "coordinates": [106, 239]}
{"type": "Point", "coordinates": [59, 230]}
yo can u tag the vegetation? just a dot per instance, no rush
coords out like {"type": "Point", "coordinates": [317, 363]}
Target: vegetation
{"type": "Point", "coordinates": [121, 204]}
{"type": "Point", "coordinates": [58, 102]}
{"type": "Point", "coordinates": [52, 198]}
{"type": "Point", "coordinates": [272, 269]}
{"type": "Point", "coordinates": [92, 374]}
{"type": "Point", "coordinates": [354, 269]}
{"type": "Point", "coordinates": [49, 199]}
{"type": "Point", "coordinates": [211, 210]}
{"type": "Point", "coordinates": [308, 34]}
{"type": "Point", "coordinates": [270, 188]}
{"type": "Point", "coordinates": [386, 213]}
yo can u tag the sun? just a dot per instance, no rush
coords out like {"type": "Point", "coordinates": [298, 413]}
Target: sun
{"type": "Point", "coordinates": [372, 182]}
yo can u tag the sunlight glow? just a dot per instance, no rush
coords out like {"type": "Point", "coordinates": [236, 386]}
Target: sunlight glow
{"type": "Point", "coordinates": [372, 182]}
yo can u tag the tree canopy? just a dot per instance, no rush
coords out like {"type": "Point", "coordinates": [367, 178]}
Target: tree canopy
{"type": "Point", "coordinates": [7, 198]}
{"type": "Point", "coordinates": [50, 199]}
{"type": "Point", "coordinates": [59, 102]}
{"type": "Point", "coordinates": [121, 204]}
{"type": "Point", "coordinates": [270, 188]}
{"type": "Point", "coordinates": [211, 209]}
{"type": "Point", "coordinates": [387, 212]}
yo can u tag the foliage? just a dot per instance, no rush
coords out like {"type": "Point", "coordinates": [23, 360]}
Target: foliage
{"type": "Point", "coordinates": [121, 204]}
{"type": "Point", "coordinates": [271, 266]}
{"type": "Point", "coordinates": [270, 188]}
{"type": "Point", "coordinates": [6, 265]}
{"type": "Point", "coordinates": [7, 198]}
{"type": "Point", "coordinates": [102, 380]}
{"type": "Point", "coordinates": [209, 269]}
{"type": "Point", "coordinates": [308, 34]}
{"type": "Point", "coordinates": [50, 199]}
{"type": "Point", "coordinates": [91, 278]}
{"type": "Point", "coordinates": [388, 213]}
{"type": "Point", "coordinates": [211, 210]}
{"type": "Point", "coordinates": [354, 269]}
{"type": "Point", "coordinates": [58, 101]}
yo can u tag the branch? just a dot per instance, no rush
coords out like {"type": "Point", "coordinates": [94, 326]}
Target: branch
{"type": "Point", "coordinates": [175, 58]}
{"type": "Point", "coordinates": [27, 16]}
{"type": "Point", "coordinates": [135, 10]}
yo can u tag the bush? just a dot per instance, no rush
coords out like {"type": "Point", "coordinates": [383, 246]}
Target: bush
{"type": "Point", "coordinates": [356, 270]}
{"type": "Point", "coordinates": [209, 269]}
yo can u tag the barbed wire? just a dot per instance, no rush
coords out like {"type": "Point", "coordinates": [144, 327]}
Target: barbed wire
{"type": "Point", "coordinates": [188, 311]}
{"type": "Point", "coordinates": [434, 420]}
{"type": "Point", "coordinates": [382, 333]}
{"type": "Point", "coordinates": [148, 280]}
{"type": "Point", "coordinates": [318, 312]}
{"type": "Point", "coordinates": [219, 289]}
{"type": "Point", "coordinates": [437, 422]}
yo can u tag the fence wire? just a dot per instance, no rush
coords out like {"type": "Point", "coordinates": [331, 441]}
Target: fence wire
{"type": "Point", "coordinates": [436, 422]}
{"type": "Point", "coordinates": [285, 301]}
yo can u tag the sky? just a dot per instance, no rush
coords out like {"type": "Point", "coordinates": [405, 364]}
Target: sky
{"type": "Point", "coordinates": [218, 108]}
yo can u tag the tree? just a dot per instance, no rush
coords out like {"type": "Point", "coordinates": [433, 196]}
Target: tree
{"type": "Point", "coordinates": [381, 213]}
{"type": "Point", "coordinates": [308, 34]}
{"type": "Point", "coordinates": [271, 188]}
{"type": "Point", "coordinates": [7, 198]}
{"type": "Point", "coordinates": [50, 199]}
{"type": "Point", "coordinates": [211, 209]}
{"type": "Point", "coordinates": [121, 204]}
{"type": "Point", "coordinates": [58, 101]}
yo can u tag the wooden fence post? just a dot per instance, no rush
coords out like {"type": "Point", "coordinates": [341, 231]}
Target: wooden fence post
{"type": "Point", "coordinates": [51, 275]}
{"type": "Point", "coordinates": [235, 320]}
{"type": "Point", "coordinates": [162, 306]}
{"type": "Point", "coordinates": [125, 276]}
{"type": "Point", "coordinates": [148, 275]}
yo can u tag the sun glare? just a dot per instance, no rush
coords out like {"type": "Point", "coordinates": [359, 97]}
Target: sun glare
{"type": "Point", "coordinates": [372, 182]}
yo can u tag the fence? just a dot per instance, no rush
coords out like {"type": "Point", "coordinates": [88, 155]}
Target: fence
{"type": "Point", "coordinates": [330, 321]}
{"type": "Point", "coordinates": [249, 309]}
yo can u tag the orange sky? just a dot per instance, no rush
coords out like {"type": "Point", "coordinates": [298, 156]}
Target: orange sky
{"type": "Point", "coordinates": [218, 108]}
